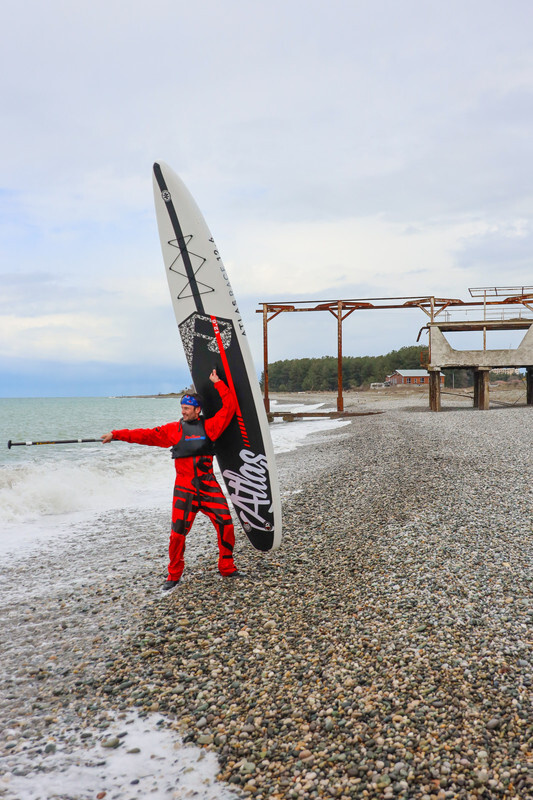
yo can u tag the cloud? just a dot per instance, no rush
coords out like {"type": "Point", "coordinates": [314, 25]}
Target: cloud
{"type": "Point", "coordinates": [48, 378]}
{"type": "Point", "coordinates": [500, 249]}
{"type": "Point", "coordinates": [369, 254]}
{"type": "Point", "coordinates": [337, 149]}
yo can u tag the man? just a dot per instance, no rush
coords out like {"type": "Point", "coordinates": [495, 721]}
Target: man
{"type": "Point", "coordinates": [196, 488]}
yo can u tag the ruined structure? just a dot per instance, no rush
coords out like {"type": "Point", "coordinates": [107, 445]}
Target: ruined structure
{"type": "Point", "coordinates": [443, 356]}
{"type": "Point", "coordinates": [496, 309]}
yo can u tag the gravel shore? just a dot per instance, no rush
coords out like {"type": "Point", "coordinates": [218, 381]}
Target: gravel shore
{"type": "Point", "coordinates": [384, 651]}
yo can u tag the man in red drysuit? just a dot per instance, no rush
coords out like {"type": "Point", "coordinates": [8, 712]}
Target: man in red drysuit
{"type": "Point", "coordinates": [196, 488]}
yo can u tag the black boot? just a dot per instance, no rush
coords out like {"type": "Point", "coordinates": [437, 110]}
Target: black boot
{"type": "Point", "coordinates": [168, 585]}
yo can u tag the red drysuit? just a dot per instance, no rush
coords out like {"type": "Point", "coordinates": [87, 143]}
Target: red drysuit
{"type": "Point", "coordinates": [196, 488]}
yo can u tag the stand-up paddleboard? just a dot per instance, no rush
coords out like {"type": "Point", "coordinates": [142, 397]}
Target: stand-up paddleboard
{"type": "Point", "coordinates": [213, 335]}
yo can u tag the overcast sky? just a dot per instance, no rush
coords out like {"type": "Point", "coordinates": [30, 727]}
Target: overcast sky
{"type": "Point", "coordinates": [337, 150]}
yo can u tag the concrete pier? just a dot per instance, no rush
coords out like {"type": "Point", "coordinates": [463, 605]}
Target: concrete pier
{"type": "Point", "coordinates": [434, 390]}
{"type": "Point", "coordinates": [481, 388]}
{"type": "Point", "coordinates": [443, 356]}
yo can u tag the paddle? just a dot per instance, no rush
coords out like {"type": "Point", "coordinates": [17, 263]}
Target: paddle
{"type": "Point", "coordinates": [11, 444]}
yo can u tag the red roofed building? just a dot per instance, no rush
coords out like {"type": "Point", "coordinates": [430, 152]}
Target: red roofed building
{"type": "Point", "coordinates": [411, 377]}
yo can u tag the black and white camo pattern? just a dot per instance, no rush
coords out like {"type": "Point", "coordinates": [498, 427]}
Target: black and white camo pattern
{"type": "Point", "coordinates": [189, 332]}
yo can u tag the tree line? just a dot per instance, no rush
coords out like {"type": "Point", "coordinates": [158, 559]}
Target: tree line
{"type": "Point", "coordinates": [320, 374]}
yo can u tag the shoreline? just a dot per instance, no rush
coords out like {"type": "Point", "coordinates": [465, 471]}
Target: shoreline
{"type": "Point", "coordinates": [382, 651]}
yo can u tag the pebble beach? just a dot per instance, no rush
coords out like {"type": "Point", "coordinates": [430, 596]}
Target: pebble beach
{"type": "Point", "coordinates": [384, 651]}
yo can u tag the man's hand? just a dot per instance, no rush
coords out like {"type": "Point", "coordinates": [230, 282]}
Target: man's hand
{"type": "Point", "coordinates": [108, 437]}
{"type": "Point", "coordinates": [214, 377]}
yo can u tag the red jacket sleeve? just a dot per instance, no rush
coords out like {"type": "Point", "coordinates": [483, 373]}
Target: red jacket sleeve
{"type": "Point", "coordinates": [217, 424]}
{"type": "Point", "coordinates": [163, 436]}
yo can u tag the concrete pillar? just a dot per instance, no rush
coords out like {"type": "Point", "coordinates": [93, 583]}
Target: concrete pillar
{"type": "Point", "coordinates": [481, 388]}
{"type": "Point", "coordinates": [434, 390]}
{"type": "Point", "coordinates": [529, 391]}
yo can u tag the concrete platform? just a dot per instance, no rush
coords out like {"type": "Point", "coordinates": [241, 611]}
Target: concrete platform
{"type": "Point", "coordinates": [443, 356]}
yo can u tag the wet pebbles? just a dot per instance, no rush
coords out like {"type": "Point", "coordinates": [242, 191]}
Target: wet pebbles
{"type": "Point", "coordinates": [384, 651]}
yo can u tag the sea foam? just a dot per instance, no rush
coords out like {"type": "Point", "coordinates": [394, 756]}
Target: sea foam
{"type": "Point", "coordinates": [94, 482]}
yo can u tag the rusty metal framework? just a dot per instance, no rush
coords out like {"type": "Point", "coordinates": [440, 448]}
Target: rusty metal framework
{"type": "Point", "coordinates": [432, 306]}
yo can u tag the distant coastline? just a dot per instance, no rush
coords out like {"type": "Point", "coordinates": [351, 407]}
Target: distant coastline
{"type": "Point", "coordinates": [149, 396]}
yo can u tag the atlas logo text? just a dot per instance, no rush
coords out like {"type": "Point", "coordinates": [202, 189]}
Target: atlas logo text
{"type": "Point", "coordinates": [248, 490]}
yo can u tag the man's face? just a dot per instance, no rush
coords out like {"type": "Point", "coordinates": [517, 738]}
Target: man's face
{"type": "Point", "coordinates": [190, 413]}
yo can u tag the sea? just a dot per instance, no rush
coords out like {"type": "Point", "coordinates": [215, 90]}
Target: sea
{"type": "Point", "coordinates": [46, 489]}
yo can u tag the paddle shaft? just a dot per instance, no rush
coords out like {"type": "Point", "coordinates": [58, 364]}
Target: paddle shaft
{"type": "Point", "coordinates": [11, 444]}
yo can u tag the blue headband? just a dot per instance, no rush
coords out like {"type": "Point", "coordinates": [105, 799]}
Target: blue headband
{"type": "Point", "coordinates": [189, 400]}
